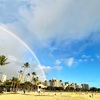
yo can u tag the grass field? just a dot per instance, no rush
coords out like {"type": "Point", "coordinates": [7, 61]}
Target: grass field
{"type": "Point", "coordinates": [49, 96]}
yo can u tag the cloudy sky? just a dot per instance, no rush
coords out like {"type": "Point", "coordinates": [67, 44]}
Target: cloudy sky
{"type": "Point", "coordinates": [59, 38]}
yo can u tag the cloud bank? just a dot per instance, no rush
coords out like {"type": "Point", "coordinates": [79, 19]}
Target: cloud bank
{"type": "Point", "coordinates": [62, 20]}
{"type": "Point", "coordinates": [57, 25]}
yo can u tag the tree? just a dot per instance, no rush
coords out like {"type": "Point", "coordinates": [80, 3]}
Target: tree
{"type": "Point", "coordinates": [21, 72]}
{"type": "Point", "coordinates": [33, 74]}
{"type": "Point", "coordinates": [50, 85]}
{"type": "Point", "coordinates": [20, 75]}
{"type": "Point", "coordinates": [3, 60]}
{"type": "Point", "coordinates": [50, 82]}
{"type": "Point", "coordinates": [60, 82]}
{"type": "Point", "coordinates": [54, 84]}
{"type": "Point", "coordinates": [15, 82]}
{"type": "Point", "coordinates": [27, 75]}
{"type": "Point", "coordinates": [36, 81]}
{"type": "Point", "coordinates": [46, 83]}
{"type": "Point", "coordinates": [93, 89]}
{"type": "Point", "coordinates": [7, 85]}
{"type": "Point", "coordinates": [28, 85]}
{"type": "Point", "coordinates": [26, 65]}
{"type": "Point", "coordinates": [67, 88]}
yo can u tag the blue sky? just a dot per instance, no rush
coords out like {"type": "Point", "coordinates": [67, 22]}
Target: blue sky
{"type": "Point", "coordinates": [64, 35]}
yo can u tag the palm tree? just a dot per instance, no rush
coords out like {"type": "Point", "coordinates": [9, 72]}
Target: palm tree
{"type": "Point", "coordinates": [15, 83]}
{"type": "Point", "coordinates": [26, 65]}
{"type": "Point", "coordinates": [27, 75]}
{"type": "Point", "coordinates": [3, 60]}
{"type": "Point", "coordinates": [60, 82]}
{"type": "Point", "coordinates": [21, 72]}
{"type": "Point", "coordinates": [46, 83]}
{"type": "Point", "coordinates": [7, 84]}
{"type": "Point", "coordinates": [33, 75]}
{"type": "Point", "coordinates": [36, 81]}
{"type": "Point", "coordinates": [28, 86]}
{"type": "Point", "coordinates": [50, 82]}
{"type": "Point", "coordinates": [20, 76]}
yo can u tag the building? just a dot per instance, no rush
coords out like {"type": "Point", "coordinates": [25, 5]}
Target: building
{"type": "Point", "coordinates": [85, 87]}
{"type": "Point", "coordinates": [55, 83]}
{"type": "Point", "coordinates": [58, 83]}
{"type": "Point", "coordinates": [3, 79]}
{"type": "Point", "coordinates": [66, 83]}
{"type": "Point", "coordinates": [27, 79]}
{"type": "Point", "coordinates": [21, 78]}
{"type": "Point", "coordinates": [72, 85]}
{"type": "Point", "coordinates": [45, 83]}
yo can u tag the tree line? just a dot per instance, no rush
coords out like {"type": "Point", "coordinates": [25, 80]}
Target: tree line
{"type": "Point", "coordinates": [14, 84]}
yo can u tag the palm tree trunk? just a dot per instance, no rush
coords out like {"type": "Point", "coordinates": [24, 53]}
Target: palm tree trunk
{"type": "Point", "coordinates": [23, 74]}
{"type": "Point", "coordinates": [16, 87]}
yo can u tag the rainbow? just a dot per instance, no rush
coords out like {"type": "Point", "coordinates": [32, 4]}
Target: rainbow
{"type": "Point", "coordinates": [30, 50]}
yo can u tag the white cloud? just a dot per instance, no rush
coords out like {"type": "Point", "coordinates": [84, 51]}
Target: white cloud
{"type": "Point", "coordinates": [11, 69]}
{"type": "Point", "coordinates": [40, 69]}
{"type": "Point", "coordinates": [63, 20]}
{"type": "Point", "coordinates": [13, 50]}
{"type": "Point", "coordinates": [70, 61]}
{"type": "Point", "coordinates": [17, 54]}
{"type": "Point", "coordinates": [58, 67]}
{"type": "Point", "coordinates": [12, 58]}
{"type": "Point", "coordinates": [80, 60]}
{"type": "Point", "coordinates": [50, 68]}
{"type": "Point", "coordinates": [57, 62]}
{"type": "Point", "coordinates": [85, 56]}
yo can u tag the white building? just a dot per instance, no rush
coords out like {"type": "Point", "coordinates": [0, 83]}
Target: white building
{"type": "Point", "coordinates": [21, 78]}
{"type": "Point", "coordinates": [3, 79]}
{"type": "Point", "coordinates": [55, 83]}
{"type": "Point", "coordinates": [58, 83]}
{"type": "Point", "coordinates": [27, 79]}
{"type": "Point", "coordinates": [46, 83]}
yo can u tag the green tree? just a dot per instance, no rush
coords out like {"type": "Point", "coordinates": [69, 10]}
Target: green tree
{"type": "Point", "coordinates": [27, 75]}
{"type": "Point", "coordinates": [21, 72]}
{"type": "Point", "coordinates": [7, 85]}
{"type": "Point", "coordinates": [33, 75]}
{"type": "Point", "coordinates": [36, 82]}
{"type": "Point", "coordinates": [25, 66]}
{"type": "Point", "coordinates": [20, 76]}
{"type": "Point", "coordinates": [15, 83]}
{"type": "Point", "coordinates": [3, 60]}
{"type": "Point", "coordinates": [46, 83]}
{"type": "Point", "coordinates": [28, 85]}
